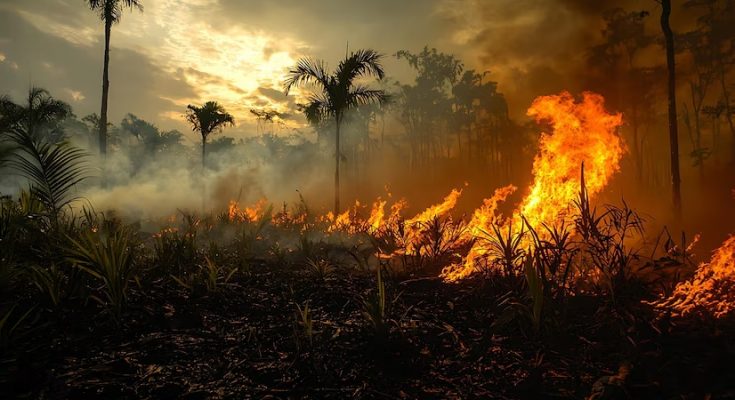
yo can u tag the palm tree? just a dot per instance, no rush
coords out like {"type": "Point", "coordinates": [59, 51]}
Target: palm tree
{"type": "Point", "coordinates": [335, 94]}
{"type": "Point", "coordinates": [206, 119]}
{"type": "Point", "coordinates": [110, 11]}
{"type": "Point", "coordinates": [41, 115]}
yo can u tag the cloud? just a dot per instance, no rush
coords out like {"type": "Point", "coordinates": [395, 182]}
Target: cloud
{"type": "Point", "coordinates": [273, 94]}
{"type": "Point", "coordinates": [75, 95]}
{"type": "Point", "coordinates": [73, 73]}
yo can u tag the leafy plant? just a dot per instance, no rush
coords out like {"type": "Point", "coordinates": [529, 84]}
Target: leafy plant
{"type": "Point", "coordinates": [174, 248]}
{"type": "Point", "coordinates": [249, 233]}
{"type": "Point", "coordinates": [210, 275]}
{"type": "Point", "coordinates": [304, 320]}
{"type": "Point", "coordinates": [50, 281]}
{"type": "Point", "coordinates": [54, 169]}
{"type": "Point", "coordinates": [107, 257]}
{"type": "Point", "coordinates": [320, 269]}
{"type": "Point", "coordinates": [505, 249]}
{"type": "Point", "coordinates": [10, 328]}
{"type": "Point", "coordinates": [374, 308]}
{"type": "Point", "coordinates": [535, 292]}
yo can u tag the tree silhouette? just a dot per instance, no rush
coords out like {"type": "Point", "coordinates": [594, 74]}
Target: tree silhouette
{"type": "Point", "coordinates": [110, 12]}
{"type": "Point", "coordinates": [209, 118]}
{"type": "Point", "coordinates": [334, 94]}
{"type": "Point", "coordinates": [41, 115]}
{"type": "Point", "coordinates": [673, 127]}
{"type": "Point", "coordinates": [425, 106]}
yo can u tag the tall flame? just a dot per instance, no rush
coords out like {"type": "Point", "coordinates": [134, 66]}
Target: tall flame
{"type": "Point", "coordinates": [582, 132]}
{"type": "Point", "coordinates": [415, 226]}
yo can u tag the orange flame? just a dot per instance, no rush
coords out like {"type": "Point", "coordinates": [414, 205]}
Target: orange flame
{"type": "Point", "coordinates": [377, 216]}
{"type": "Point", "coordinates": [249, 214]}
{"type": "Point", "coordinates": [711, 290]}
{"type": "Point", "coordinates": [416, 225]}
{"type": "Point", "coordinates": [582, 132]}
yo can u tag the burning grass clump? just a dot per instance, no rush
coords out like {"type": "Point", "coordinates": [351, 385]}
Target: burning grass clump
{"type": "Point", "coordinates": [710, 292]}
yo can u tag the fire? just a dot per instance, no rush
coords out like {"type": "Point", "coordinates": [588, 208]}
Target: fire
{"type": "Point", "coordinates": [711, 290]}
{"type": "Point", "coordinates": [416, 225]}
{"type": "Point", "coordinates": [482, 221]}
{"type": "Point", "coordinates": [582, 132]}
{"type": "Point", "coordinates": [249, 214]}
{"type": "Point", "coordinates": [377, 216]}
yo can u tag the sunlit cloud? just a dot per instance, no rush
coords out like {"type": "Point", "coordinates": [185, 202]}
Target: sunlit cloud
{"type": "Point", "coordinates": [227, 64]}
{"type": "Point", "coordinates": [75, 95]}
{"type": "Point", "coordinates": [77, 35]}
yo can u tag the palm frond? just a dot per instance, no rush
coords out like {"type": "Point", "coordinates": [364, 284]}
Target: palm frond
{"type": "Point", "coordinates": [112, 9]}
{"type": "Point", "coordinates": [363, 62]}
{"type": "Point", "coordinates": [307, 71]}
{"type": "Point", "coordinates": [53, 169]}
{"type": "Point", "coordinates": [317, 109]}
{"type": "Point", "coordinates": [362, 95]}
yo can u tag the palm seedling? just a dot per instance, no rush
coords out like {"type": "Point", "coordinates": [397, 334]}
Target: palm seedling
{"type": "Point", "coordinates": [107, 257]}
{"type": "Point", "coordinates": [374, 308]}
{"type": "Point", "coordinates": [320, 269]}
{"type": "Point", "coordinates": [305, 322]}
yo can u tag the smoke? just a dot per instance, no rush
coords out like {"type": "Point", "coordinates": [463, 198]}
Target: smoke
{"type": "Point", "coordinates": [150, 186]}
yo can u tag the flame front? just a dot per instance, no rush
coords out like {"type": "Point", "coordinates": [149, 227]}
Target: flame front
{"type": "Point", "coordinates": [711, 290]}
{"type": "Point", "coordinates": [248, 214]}
{"type": "Point", "coordinates": [582, 133]}
{"type": "Point", "coordinates": [416, 226]}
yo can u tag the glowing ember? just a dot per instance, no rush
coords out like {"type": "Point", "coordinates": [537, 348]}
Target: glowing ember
{"type": "Point", "coordinates": [582, 132]}
{"type": "Point", "coordinates": [712, 289]}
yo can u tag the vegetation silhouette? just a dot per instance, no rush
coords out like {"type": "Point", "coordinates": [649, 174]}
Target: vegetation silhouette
{"type": "Point", "coordinates": [207, 119]}
{"type": "Point", "coordinates": [336, 93]}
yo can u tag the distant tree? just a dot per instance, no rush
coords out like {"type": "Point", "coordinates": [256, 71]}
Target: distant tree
{"type": "Point", "coordinates": [222, 144]}
{"type": "Point", "coordinates": [615, 59]}
{"type": "Point", "coordinates": [41, 115]}
{"type": "Point", "coordinates": [93, 124]}
{"type": "Point", "coordinates": [425, 107]}
{"type": "Point", "coordinates": [716, 33]}
{"type": "Point", "coordinates": [482, 112]}
{"type": "Point", "coordinates": [673, 128]}
{"type": "Point", "coordinates": [265, 116]}
{"type": "Point", "coordinates": [209, 118]}
{"type": "Point", "coordinates": [334, 94]}
{"type": "Point", "coordinates": [110, 12]}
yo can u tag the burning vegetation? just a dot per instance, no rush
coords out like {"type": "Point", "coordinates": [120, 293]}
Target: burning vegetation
{"type": "Point", "coordinates": [712, 289]}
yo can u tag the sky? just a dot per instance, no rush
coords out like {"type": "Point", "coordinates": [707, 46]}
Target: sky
{"type": "Point", "coordinates": [179, 52]}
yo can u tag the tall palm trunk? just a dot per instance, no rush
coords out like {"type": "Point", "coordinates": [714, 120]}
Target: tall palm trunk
{"type": "Point", "coordinates": [105, 90]}
{"type": "Point", "coordinates": [105, 94]}
{"type": "Point", "coordinates": [338, 122]}
{"type": "Point", "coordinates": [204, 151]}
{"type": "Point", "coordinates": [673, 127]}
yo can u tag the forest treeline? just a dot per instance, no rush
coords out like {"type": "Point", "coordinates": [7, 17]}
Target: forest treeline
{"type": "Point", "coordinates": [453, 118]}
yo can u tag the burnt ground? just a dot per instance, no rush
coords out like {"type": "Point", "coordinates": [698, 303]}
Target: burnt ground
{"type": "Point", "coordinates": [445, 341]}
